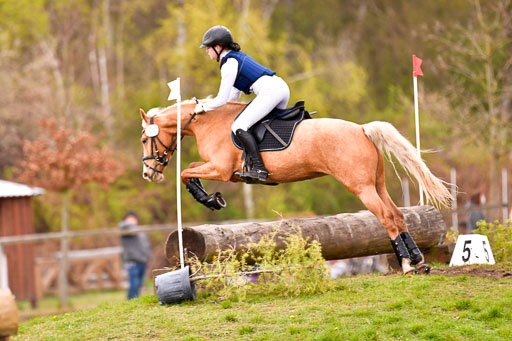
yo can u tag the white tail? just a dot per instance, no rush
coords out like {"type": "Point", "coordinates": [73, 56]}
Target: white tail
{"type": "Point", "coordinates": [388, 139]}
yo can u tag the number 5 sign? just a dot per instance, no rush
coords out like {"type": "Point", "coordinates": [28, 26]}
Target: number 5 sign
{"type": "Point", "coordinates": [472, 249]}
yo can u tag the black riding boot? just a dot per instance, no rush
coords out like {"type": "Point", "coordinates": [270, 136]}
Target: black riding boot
{"type": "Point", "coordinates": [256, 171]}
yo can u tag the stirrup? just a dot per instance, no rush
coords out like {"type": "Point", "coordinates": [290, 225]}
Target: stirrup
{"type": "Point", "coordinates": [254, 175]}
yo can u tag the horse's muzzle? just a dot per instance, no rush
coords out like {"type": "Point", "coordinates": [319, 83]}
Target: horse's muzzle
{"type": "Point", "coordinates": [151, 175]}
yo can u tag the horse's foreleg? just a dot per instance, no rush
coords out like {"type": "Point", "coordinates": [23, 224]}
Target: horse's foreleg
{"type": "Point", "coordinates": [213, 201]}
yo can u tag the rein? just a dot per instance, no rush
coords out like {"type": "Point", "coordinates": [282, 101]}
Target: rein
{"type": "Point", "coordinates": [162, 160]}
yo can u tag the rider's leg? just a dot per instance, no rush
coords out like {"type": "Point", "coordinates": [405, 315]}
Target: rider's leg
{"type": "Point", "coordinates": [271, 92]}
{"type": "Point", "coordinates": [258, 171]}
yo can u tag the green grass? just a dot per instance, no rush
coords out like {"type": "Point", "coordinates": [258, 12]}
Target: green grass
{"type": "Point", "coordinates": [369, 307]}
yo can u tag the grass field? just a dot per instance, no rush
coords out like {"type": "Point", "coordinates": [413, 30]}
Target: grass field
{"type": "Point", "coordinates": [365, 307]}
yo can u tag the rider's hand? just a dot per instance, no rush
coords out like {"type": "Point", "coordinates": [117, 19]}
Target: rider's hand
{"type": "Point", "coordinates": [199, 108]}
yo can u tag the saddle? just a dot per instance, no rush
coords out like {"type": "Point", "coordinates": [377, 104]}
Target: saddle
{"type": "Point", "coordinates": [275, 131]}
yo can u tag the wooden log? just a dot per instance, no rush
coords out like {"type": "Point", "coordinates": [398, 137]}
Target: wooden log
{"type": "Point", "coordinates": [8, 314]}
{"type": "Point", "coordinates": [342, 236]}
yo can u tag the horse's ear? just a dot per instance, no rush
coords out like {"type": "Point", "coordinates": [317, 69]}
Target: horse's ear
{"type": "Point", "coordinates": [143, 115]}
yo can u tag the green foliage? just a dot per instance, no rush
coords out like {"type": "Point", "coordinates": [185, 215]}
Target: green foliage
{"type": "Point", "coordinates": [452, 235]}
{"type": "Point", "coordinates": [348, 60]}
{"type": "Point", "coordinates": [22, 22]}
{"type": "Point", "coordinates": [296, 269]}
{"type": "Point", "coordinates": [500, 237]}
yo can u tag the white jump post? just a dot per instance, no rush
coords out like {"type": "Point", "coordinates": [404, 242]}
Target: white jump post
{"type": "Point", "coordinates": [175, 94]}
{"type": "Point", "coordinates": [416, 71]}
{"type": "Point", "coordinates": [453, 180]}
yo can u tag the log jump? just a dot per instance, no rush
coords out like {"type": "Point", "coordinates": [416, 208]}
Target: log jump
{"type": "Point", "coordinates": [345, 235]}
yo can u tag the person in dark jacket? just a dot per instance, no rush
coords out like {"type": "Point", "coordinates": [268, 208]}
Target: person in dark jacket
{"type": "Point", "coordinates": [475, 214]}
{"type": "Point", "coordinates": [136, 253]}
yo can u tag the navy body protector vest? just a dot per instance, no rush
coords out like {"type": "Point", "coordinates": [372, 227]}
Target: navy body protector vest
{"type": "Point", "coordinates": [249, 70]}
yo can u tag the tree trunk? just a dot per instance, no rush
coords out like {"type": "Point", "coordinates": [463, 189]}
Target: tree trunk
{"type": "Point", "coordinates": [119, 47]}
{"type": "Point", "coordinates": [344, 235]}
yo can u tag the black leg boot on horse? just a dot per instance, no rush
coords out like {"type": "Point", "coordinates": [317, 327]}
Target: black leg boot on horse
{"type": "Point", "coordinates": [254, 170]}
{"type": "Point", "coordinates": [213, 201]}
{"type": "Point", "coordinates": [403, 255]}
{"type": "Point", "coordinates": [417, 258]}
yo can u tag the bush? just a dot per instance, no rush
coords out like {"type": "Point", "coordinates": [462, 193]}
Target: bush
{"type": "Point", "coordinates": [299, 268]}
{"type": "Point", "coordinates": [500, 237]}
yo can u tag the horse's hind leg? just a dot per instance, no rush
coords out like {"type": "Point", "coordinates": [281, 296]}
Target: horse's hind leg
{"type": "Point", "coordinates": [370, 198]}
{"type": "Point", "coordinates": [417, 258]}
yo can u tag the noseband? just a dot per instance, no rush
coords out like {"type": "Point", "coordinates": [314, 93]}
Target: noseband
{"type": "Point", "coordinates": [161, 160]}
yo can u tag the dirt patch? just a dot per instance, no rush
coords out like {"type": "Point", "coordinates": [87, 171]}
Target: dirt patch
{"type": "Point", "coordinates": [473, 270]}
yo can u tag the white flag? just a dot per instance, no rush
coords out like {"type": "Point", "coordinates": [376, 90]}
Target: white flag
{"type": "Point", "coordinates": [175, 89]}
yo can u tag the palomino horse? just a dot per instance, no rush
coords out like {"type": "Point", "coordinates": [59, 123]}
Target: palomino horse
{"type": "Point", "coordinates": [350, 152]}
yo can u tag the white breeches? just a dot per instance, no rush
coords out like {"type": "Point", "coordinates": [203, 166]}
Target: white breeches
{"type": "Point", "coordinates": [271, 92]}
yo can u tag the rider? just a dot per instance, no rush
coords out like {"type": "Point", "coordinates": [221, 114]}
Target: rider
{"type": "Point", "coordinates": [240, 72]}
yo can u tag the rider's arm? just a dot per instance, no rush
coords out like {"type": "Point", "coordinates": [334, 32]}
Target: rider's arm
{"type": "Point", "coordinates": [228, 73]}
{"type": "Point", "coordinates": [234, 95]}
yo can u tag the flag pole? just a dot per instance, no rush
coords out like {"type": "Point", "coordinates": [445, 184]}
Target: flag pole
{"type": "Point", "coordinates": [417, 121]}
{"type": "Point", "coordinates": [176, 94]}
{"type": "Point", "coordinates": [416, 66]}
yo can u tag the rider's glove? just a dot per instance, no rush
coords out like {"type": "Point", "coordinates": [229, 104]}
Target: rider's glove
{"type": "Point", "coordinates": [199, 108]}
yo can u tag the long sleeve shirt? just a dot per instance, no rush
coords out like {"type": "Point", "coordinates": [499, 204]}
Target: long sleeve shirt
{"type": "Point", "coordinates": [227, 92]}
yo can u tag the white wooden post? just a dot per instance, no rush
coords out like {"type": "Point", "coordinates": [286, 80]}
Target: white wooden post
{"type": "Point", "coordinates": [175, 93]}
{"type": "Point", "coordinates": [453, 180]}
{"type": "Point", "coordinates": [4, 280]}
{"type": "Point", "coordinates": [417, 120]}
{"type": "Point", "coordinates": [405, 190]}
{"type": "Point", "coordinates": [248, 201]}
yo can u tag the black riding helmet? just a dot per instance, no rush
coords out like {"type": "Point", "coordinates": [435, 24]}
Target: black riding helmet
{"type": "Point", "coordinates": [217, 35]}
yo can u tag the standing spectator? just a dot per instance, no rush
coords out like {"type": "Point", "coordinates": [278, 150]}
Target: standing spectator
{"type": "Point", "coordinates": [475, 214]}
{"type": "Point", "coordinates": [136, 253]}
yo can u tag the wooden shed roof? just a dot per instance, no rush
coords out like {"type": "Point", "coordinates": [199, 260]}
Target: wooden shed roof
{"type": "Point", "coordinates": [10, 189]}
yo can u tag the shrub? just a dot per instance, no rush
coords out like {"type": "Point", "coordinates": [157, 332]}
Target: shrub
{"type": "Point", "coordinates": [500, 237]}
{"type": "Point", "coordinates": [298, 268]}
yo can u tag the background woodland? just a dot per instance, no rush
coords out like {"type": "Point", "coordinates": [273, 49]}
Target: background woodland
{"type": "Point", "coordinates": [75, 73]}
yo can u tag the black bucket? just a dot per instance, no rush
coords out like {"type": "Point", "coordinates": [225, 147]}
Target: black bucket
{"type": "Point", "coordinates": [175, 286]}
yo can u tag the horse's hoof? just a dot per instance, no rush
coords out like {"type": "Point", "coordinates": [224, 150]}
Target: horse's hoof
{"type": "Point", "coordinates": [423, 268]}
{"type": "Point", "coordinates": [410, 271]}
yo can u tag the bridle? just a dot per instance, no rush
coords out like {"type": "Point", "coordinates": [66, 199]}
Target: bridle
{"type": "Point", "coordinates": [162, 160]}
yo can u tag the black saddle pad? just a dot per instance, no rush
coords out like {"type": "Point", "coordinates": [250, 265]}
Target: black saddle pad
{"type": "Point", "coordinates": [280, 123]}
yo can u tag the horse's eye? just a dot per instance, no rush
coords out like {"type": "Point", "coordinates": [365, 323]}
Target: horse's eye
{"type": "Point", "coordinates": [144, 140]}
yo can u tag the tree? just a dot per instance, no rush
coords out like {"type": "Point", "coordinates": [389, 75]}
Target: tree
{"type": "Point", "coordinates": [61, 160]}
{"type": "Point", "coordinates": [477, 62]}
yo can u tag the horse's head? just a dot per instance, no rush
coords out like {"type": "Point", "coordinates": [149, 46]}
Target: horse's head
{"type": "Point", "coordinates": [158, 146]}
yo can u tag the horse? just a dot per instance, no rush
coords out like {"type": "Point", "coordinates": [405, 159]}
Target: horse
{"type": "Point", "coordinates": [352, 153]}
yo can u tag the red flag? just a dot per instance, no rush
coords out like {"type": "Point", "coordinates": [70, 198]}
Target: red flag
{"type": "Point", "coordinates": [416, 66]}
